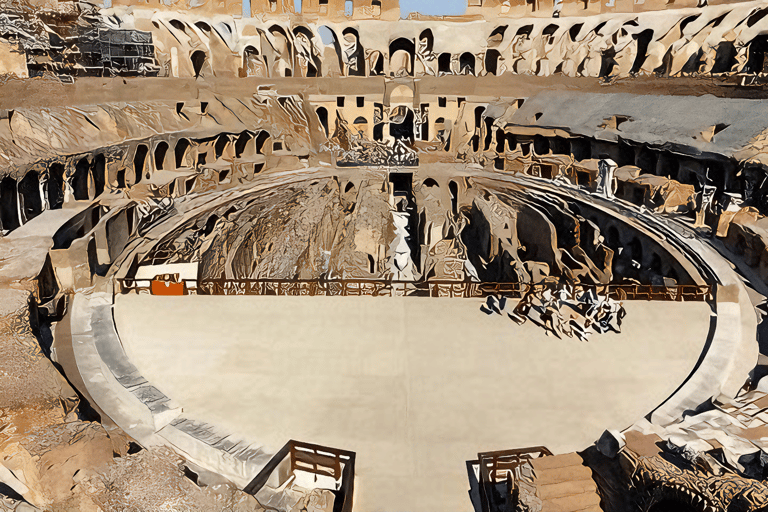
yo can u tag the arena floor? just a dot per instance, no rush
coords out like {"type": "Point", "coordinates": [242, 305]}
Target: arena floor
{"type": "Point", "coordinates": [415, 386]}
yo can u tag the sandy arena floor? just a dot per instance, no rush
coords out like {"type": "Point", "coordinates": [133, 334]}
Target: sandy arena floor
{"type": "Point", "coordinates": [415, 386]}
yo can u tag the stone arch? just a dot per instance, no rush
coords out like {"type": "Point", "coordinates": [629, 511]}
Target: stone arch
{"type": "Point", "coordinates": [181, 152]}
{"type": "Point", "coordinates": [401, 95]}
{"type": "Point", "coordinates": [221, 147]}
{"type": "Point", "coordinates": [244, 145]}
{"type": "Point", "coordinates": [467, 64]}
{"type": "Point", "coordinates": [253, 63]}
{"type": "Point", "coordinates": [322, 116]}
{"type": "Point", "coordinates": [9, 204]}
{"type": "Point", "coordinates": [492, 58]}
{"type": "Point", "coordinates": [444, 64]}
{"type": "Point", "coordinates": [55, 185]}
{"type": "Point", "coordinates": [139, 161]}
{"type": "Point", "coordinates": [99, 172]}
{"type": "Point", "coordinates": [404, 130]}
{"type": "Point", "coordinates": [354, 53]}
{"type": "Point", "coordinates": [261, 138]}
{"type": "Point", "coordinates": [79, 180]}
{"type": "Point", "coordinates": [198, 59]}
{"type": "Point", "coordinates": [29, 194]}
{"type": "Point", "coordinates": [303, 40]}
{"type": "Point", "coordinates": [283, 63]}
{"type": "Point", "coordinates": [161, 151]}
{"type": "Point", "coordinates": [402, 53]}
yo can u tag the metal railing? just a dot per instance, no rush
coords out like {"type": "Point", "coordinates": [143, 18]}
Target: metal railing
{"type": "Point", "coordinates": [391, 288]}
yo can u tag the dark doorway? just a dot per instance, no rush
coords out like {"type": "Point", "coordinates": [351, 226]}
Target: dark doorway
{"type": "Point", "coordinates": [99, 174]}
{"type": "Point", "coordinates": [55, 186]}
{"type": "Point", "coordinates": [29, 190]}
{"type": "Point", "coordinates": [198, 60]}
{"type": "Point", "coordinates": [9, 204]}
{"type": "Point", "coordinates": [322, 115]}
{"type": "Point", "coordinates": [160, 151]}
{"type": "Point", "coordinates": [403, 131]}
{"type": "Point", "coordinates": [138, 161]}
{"type": "Point", "coordinates": [80, 180]}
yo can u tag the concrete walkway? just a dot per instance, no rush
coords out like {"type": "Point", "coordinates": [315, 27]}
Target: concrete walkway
{"type": "Point", "coordinates": [415, 386]}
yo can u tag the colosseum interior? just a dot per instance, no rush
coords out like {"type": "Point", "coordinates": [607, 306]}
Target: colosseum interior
{"type": "Point", "coordinates": [328, 255]}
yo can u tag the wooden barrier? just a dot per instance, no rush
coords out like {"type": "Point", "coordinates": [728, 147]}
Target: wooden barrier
{"type": "Point", "coordinates": [432, 288]}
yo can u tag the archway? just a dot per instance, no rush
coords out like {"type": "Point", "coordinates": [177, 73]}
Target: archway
{"type": "Point", "coordinates": [198, 59]}
{"type": "Point", "coordinates": [444, 64]}
{"type": "Point", "coordinates": [55, 185]}
{"type": "Point", "coordinates": [492, 62]}
{"type": "Point", "coordinates": [354, 53]}
{"type": "Point", "coordinates": [9, 205]}
{"type": "Point", "coordinates": [404, 130]}
{"type": "Point", "coordinates": [306, 56]}
{"type": "Point", "coordinates": [401, 55]}
{"type": "Point", "coordinates": [241, 145]}
{"type": "Point", "coordinates": [80, 180]}
{"type": "Point", "coordinates": [283, 65]}
{"type": "Point", "coordinates": [99, 174]}
{"type": "Point", "coordinates": [220, 148]}
{"type": "Point", "coordinates": [253, 64]}
{"type": "Point", "coordinates": [180, 152]}
{"type": "Point", "coordinates": [467, 64]}
{"type": "Point", "coordinates": [322, 115]}
{"type": "Point", "coordinates": [138, 162]}
{"type": "Point", "coordinates": [160, 152]}
{"type": "Point", "coordinates": [260, 140]}
{"type": "Point", "coordinates": [29, 192]}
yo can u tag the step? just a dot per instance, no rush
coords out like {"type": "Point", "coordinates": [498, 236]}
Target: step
{"type": "Point", "coordinates": [557, 461]}
{"type": "Point", "coordinates": [576, 503]}
{"type": "Point", "coordinates": [559, 475]}
{"type": "Point", "coordinates": [551, 491]}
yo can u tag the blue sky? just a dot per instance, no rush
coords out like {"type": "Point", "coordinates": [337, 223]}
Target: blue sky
{"type": "Point", "coordinates": [435, 7]}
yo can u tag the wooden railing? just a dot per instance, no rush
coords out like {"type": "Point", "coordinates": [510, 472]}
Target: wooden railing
{"type": "Point", "coordinates": [497, 475]}
{"type": "Point", "coordinates": [317, 460]}
{"type": "Point", "coordinates": [390, 288]}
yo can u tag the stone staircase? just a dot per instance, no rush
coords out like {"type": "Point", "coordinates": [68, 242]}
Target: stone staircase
{"type": "Point", "coordinates": [564, 484]}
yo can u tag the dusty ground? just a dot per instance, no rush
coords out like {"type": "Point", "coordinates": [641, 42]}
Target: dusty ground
{"type": "Point", "coordinates": [415, 387]}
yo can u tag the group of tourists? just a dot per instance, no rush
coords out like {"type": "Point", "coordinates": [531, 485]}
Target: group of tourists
{"type": "Point", "coordinates": [564, 310]}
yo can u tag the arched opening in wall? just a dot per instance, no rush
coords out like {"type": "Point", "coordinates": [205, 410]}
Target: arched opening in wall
{"type": "Point", "coordinates": [488, 133]}
{"type": "Point", "coordinates": [221, 145]}
{"type": "Point", "coordinates": [360, 126]}
{"type": "Point", "coordinates": [283, 65]}
{"type": "Point", "coordinates": [242, 143]}
{"type": "Point", "coordinates": [139, 159]}
{"type": "Point", "coordinates": [540, 145]}
{"type": "Point", "coordinates": [29, 193]}
{"type": "Point", "coordinates": [198, 59]}
{"type": "Point", "coordinates": [322, 116]}
{"type": "Point", "coordinates": [492, 61]}
{"type": "Point", "coordinates": [444, 64]}
{"type": "Point", "coordinates": [160, 152]}
{"type": "Point", "coordinates": [430, 184]}
{"type": "Point", "coordinates": [511, 140]}
{"type": "Point", "coordinates": [55, 186]}
{"type": "Point", "coordinates": [79, 180]}
{"type": "Point", "coordinates": [757, 49]}
{"type": "Point", "coordinates": [453, 189]}
{"type": "Point", "coordinates": [261, 138]}
{"type": "Point", "coordinates": [643, 39]}
{"type": "Point", "coordinates": [376, 7]}
{"type": "Point", "coordinates": [725, 58]}
{"type": "Point", "coordinates": [178, 25]}
{"type": "Point", "coordinates": [253, 65]}
{"type": "Point", "coordinates": [304, 48]}
{"type": "Point", "coordinates": [467, 64]}
{"type": "Point", "coordinates": [573, 32]}
{"type": "Point", "coordinates": [204, 27]}
{"type": "Point", "coordinates": [329, 39]}
{"type": "Point", "coordinates": [9, 205]}
{"type": "Point", "coordinates": [354, 53]}
{"type": "Point", "coordinates": [500, 139]}
{"type": "Point", "coordinates": [404, 130]}
{"type": "Point", "coordinates": [377, 68]}
{"type": "Point", "coordinates": [371, 265]}
{"type": "Point", "coordinates": [180, 152]}
{"type": "Point", "coordinates": [426, 42]}
{"type": "Point", "coordinates": [349, 8]}
{"type": "Point", "coordinates": [99, 174]}
{"type": "Point", "coordinates": [401, 55]}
